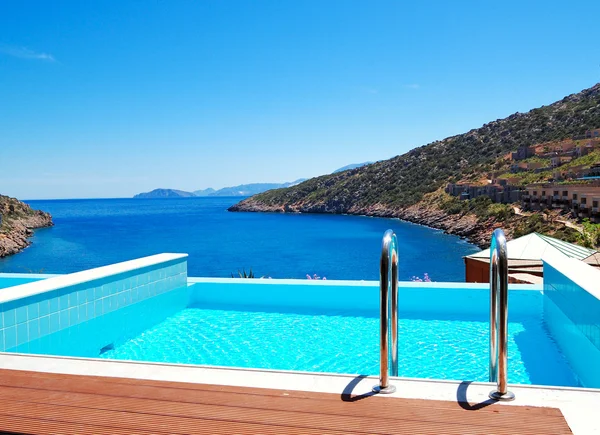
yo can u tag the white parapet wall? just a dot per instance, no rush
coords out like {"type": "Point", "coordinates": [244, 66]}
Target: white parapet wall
{"type": "Point", "coordinates": [572, 313]}
{"type": "Point", "coordinates": [30, 312]}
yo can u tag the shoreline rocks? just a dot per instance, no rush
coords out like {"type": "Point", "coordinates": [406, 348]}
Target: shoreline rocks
{"type": "Point", "coordinates": [464, 226]}
{"type": "Point", "coordinates": [17, 222]}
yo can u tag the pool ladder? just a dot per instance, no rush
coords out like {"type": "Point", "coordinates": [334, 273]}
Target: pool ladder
{"type": "Point", "coordinates": [388, 322]}
{"type": "Point", "coordinates": [499, 317]}
{"type": "Point", "coordinates": [388, 306]}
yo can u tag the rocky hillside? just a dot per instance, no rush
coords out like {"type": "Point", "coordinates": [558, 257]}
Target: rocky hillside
{"type": "Point", "coordinates": [396, 187]}
{"type": "Point", "coordinates": [18, 222]}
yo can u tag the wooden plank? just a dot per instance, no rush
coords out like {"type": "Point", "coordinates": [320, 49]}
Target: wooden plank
{"type": "Point", "coordinates": [118, 405]}
{"type": "Point", "coordinates": [23, 425]}
{"type": "Point", "coordinates": [308, 417]}
{"type": "Point", "coordinates": [299, 414]}
{"type": "Point", "coordinates": [181, 392]}
{"type": "Point", "coordinates": [125, 421]}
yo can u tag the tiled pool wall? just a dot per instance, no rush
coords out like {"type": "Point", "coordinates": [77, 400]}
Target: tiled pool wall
{"type": "Point", "coordinates": [572, 314]}
{"type": "Point", "coordinates": [431, 299]}
{"type": "Point", "coordinates": [80, 313]}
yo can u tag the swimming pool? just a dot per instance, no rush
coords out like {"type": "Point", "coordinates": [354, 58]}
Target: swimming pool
{"type": "Point", "coordinates": [436, 347]}
{"type": "Point", "coordinates": [157, 314]}
{"type": "Point", "coordinates": [14, 279]}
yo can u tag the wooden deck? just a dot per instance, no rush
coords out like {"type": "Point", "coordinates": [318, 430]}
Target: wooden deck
{"type": "Point", "coordinates": [41, 403]}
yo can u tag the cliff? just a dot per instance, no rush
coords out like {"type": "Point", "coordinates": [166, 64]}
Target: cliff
{"type": "Point", "coordinates": [18, 222]}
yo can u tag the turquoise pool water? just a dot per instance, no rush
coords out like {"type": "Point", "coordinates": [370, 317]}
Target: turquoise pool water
{"type": "Point", "coordinates": [438, 347]}
{"type": "Point", "coordinates": [320, 326]}
{"type": "Point", "coordinates": [11, 282]}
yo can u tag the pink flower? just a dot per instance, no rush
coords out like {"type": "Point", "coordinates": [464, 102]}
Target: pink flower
{"type": "Point", "coordinates": [426, 278]}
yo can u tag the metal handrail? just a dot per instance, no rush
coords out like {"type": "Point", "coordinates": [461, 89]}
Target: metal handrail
{"type": "Point", "coordinates": [388, 305]}
{"type": "Point", "coordinates": [499, 316]}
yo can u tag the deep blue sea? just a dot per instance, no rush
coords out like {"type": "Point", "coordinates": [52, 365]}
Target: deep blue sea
{"type": "Point", "coordinates": [96, 232]}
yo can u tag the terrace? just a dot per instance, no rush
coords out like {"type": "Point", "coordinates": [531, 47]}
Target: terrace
{"type": "Point", "coordinates": [140, 347]}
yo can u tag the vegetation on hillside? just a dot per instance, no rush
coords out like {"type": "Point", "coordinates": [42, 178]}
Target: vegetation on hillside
{"type": "Point", "coordinates": [543, 224]}
{"type": "Point", "coordinates": [494, 215]}
{"type": "Point", "coordinates": [404, 180]}
{"type": "Point", "coordinates": [11, 209]}
{"type": "Point", "coordinates": [18, 220]}
{"type": "Point", "coordinates": [590, 236]}
{"type": "Point", "coordinates": [528, 177]}
{"type": "Point", "coordinates": [482, 207]}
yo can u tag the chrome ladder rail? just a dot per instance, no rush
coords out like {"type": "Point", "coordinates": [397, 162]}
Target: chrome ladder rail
{"type": "Point", "coordinates": [388, 306]}
{"type": "Point", "coordinates": [499, 316]}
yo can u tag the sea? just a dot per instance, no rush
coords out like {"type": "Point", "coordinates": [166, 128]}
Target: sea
{"type": "Point", "coordinates": [96, 232]}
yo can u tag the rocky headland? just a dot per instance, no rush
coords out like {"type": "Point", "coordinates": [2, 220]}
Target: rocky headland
{"type": "Point", "coordinates": [17, 222]}
{"type": "Point", "coordinates": [467, 226]}
{"type": "Point", "coordinates": [471, 225]}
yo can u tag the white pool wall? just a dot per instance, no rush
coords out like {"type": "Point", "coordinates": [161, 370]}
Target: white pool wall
{"type": "Point", "coordinates": [572, 314]}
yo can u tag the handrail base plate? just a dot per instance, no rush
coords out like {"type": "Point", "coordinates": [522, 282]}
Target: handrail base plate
{"type": "Point", "coordinates": [387, 390]}
{"type": "Point", "coordinates": [506, 397]}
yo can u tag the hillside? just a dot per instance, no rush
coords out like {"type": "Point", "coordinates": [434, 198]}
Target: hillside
{"type": "Point", "coordinates": [17, 221]}
{"type": "Point", "coordinates": [395, 187]}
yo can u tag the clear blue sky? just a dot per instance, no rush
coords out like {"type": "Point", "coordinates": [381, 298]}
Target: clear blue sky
{"type": "Point", "coordinates": [111, 98]}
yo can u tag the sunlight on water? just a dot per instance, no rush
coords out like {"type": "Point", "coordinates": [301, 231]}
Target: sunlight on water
{"type": "Point", "coordinates": [442, 349]}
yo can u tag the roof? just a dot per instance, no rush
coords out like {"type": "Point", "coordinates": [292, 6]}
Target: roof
{"type": "Point", "coordinates": [593, 259]}
{"type": "Point", "coordinates": [535, 246]}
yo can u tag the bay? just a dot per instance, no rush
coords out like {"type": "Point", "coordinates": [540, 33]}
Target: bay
{"type": "Point", "coordinates": [96, 232]}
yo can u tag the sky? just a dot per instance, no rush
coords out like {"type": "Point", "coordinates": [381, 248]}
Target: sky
{"type": "Point", "coordinates": [112, 98]}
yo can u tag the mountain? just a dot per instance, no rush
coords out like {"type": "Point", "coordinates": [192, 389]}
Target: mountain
{"type": "Point", "coordinates": [17, 221]}
{"type": "Point", "coordinates": [204, 192]}
{"type": "Point", "coordinates": [397, 187]}
{"type": "Point", "coordinates": [352, 166]}
{"type": "Point", "coordinates": [241, 190]}
{"type": "Point", "coordinates": [165, 193]}
{"type": "Point", "coordinates": [253, 189]}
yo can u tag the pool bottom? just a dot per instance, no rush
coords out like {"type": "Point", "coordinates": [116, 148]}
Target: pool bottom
{"type": "Point", "coordinates": [448, 348]}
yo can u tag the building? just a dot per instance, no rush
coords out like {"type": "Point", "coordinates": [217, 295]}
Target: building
{"type": "Point", "coordinates": [590, 134]}
{"type": "Point", "coordinates": [498, 191]}
{"type": "Point", "coordinates": [584, 150]}
{"type": "Point", "coordinates": [581, 199]}
{"type": "Point", "coordinates": [523, 152]}
{"type": "Point", "coordinates": [525, 256]}
{"type": "Point", "coordinates": [593, 171]}
{"type": "Point", "coordinates": [560, 160]}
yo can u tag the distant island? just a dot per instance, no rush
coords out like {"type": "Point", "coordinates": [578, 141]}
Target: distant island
{"type": "Point", "coordinates": [426, 184]}
{"type": "Point", "coordinates": [17, 222]}
{"type": "Point", "coordinates": [165, 193]}
{"type": "Point", "coordinates": [241, 190]}
{"type": "Point", "coordinates": [246, 189]}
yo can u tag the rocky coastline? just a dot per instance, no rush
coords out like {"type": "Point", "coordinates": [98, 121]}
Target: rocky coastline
{"type": "Point", "coordinates": [17, 222]}
{"type": "Point", "coordinates": [466, 226]}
